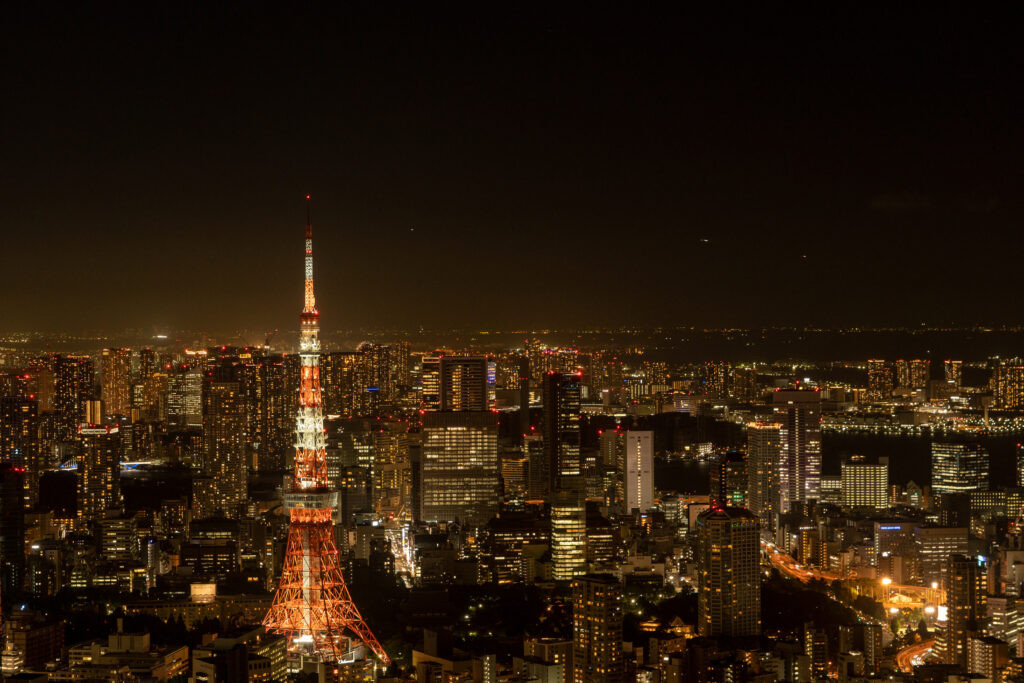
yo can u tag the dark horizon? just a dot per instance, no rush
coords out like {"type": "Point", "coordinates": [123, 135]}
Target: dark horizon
{"type": "Point", "coordinates": [535, 169]}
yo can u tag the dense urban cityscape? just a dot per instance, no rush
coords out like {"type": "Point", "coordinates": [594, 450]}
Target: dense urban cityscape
{"type": "Point", "coordinates": [539, 513]}
{"type": "Point", "coordinates": [511, 343]}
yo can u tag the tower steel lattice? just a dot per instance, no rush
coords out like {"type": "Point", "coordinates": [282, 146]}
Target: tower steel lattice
{"type": "Point", "coordinates": [312, 606]}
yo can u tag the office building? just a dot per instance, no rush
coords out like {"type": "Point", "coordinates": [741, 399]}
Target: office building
{"type": "Point", "coordinates": [597, 629]}
{"type": "Point", "coordinates": [934, 545]}
{"type": "Point", "coordinates": [561, 429]}
{"type": "Point", "coordinates": [728, 570]}
{"type": "Point", "coordinates": [865, 484]}
{"type": "Point", "coordinates": [568, 533]}
{"type": "Point", "coordinates": [459, 466]}
{"type": "Point", "coordinates": [763, 455]}
{"type": "Point", "coordinates": [463, 383]}
{"type": "Point", "coordinates": [959, 468]}
{"type": "Point", "coordinates": [639, 474]}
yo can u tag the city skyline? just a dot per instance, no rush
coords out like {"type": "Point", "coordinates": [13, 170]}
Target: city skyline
{"type": "Point", "coordinates": [658, 346]}
{"type": "Point", "coordinates": [724, 155]}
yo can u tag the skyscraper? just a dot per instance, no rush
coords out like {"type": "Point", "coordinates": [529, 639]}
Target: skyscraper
{"type": "Point", "coordinates": [763, 457]}
{"type": "Point", "coordinates": [959, 467]}
{"type": "Point", "coordinates": [98, 472]}
{"type": "Point", "coordinates": [312, 606]}
{"type": "Point", "coordinates": [116, 371]}
{"type": "Point", "coordinates": [639, 475]}
{"type": "Point", "coordinates": [965, 603]}
{"type": "Point", "coordinates": [460, 466]}
{"type": "Point", "coordinates": [799, 413]}
{"type": "Point", "coordinates": [73, 387]}
{"type": "Point", "coordinates": [597, 629]}
{"type": "Point", "coordinates": [224, 445]}
{"type": "Point", "coordinates": [12, 533]}
{"type": "Point", "coordinates": [185, 398]}
{"type": "Point", "coordinates": [728, 569]}
{"type": "Point", "coordinates": [879, 380]}
{"type": "Point", "coordinates": [19, 440]}
{"type": "Point", "coordinates": [561, 397]}
{"type": "Point", "coordinates": [954, 372]}
{"type": "Point", "coordinates": [729, 480]}
{"type": "Point", "coordinates": [276, 419]}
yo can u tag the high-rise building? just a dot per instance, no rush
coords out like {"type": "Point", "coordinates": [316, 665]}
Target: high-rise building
{"type": "Point", "coordinates": [381, 373]}
{"type": "Point", "coordinates": [763, 458]}
{"type": "Point", "coordinates": [597, 629]}
{"type": "Point", "coordinates": [729, 480]}
{"type": "Point", "coordinates": [312, 606]}
{"type": "Point", "coordinates": [729, 573]}
{"type": "Point", "coordinates": [19, 440]}
{"type": "Point", "coordinates": [116, 371]}
{"type": "Point", "coordinates": [147, 364]}
{"type": "Point", "coordinates": [345, 380]}
{"type": "Point", "coordinates": [959, 467]}
{"type": "Point", "coordinates": [430, 382]}
{"type": "Point", "coordinates": [865, 484]}
{"type": "Point", "coordinates": [276, 420]}
{"type": "Point", "coordinates": [224, 445]}
{"type": "Point", "coordinates": [568, 532]}
{"type": "Point", "coordinates": [715, 379]}
{"type": "Point", "coordinates": [184, 398]}
{"type": "Point", "coordinates": [954, 373]}
{"type": "Point", "coordinates": [799, 413]}
{"type": "Point", "coordinates": [987, 656]}
{"type": "Point", "coordinates": [879, 380]}
{"type": "Point", "coordinates": [73, 377]}
{"type": "Point", "coordinates": [744, 383]}
{"type": "Point", "coordinates": [1020, 464]}
{"type": "Point", "coordinates": [965, 603]}
{"type": "Point", "coordinates": [460, 466]}
{"type": "Point", "coordinates": [912, 374]}
{"type": "Point", "coordinates": [12, 532]}
{"type": "Point", "coordinates": [639, 475]}
{"type": "Point", "coordinates": [934, 545]}
{"type": "Point", "coordinates": [464, 383]}
{"type": "Point", "coordinates": [98, 472]}
{"type": "Point", "coordinates": [561, 398]}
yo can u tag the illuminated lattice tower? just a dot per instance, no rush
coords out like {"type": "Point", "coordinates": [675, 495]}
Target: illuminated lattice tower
{"type": "Point", "coordinates": [312, 606]}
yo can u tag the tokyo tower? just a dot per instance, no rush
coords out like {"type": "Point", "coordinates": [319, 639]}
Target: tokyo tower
{"type": "Point", "coordinates": [312, 606]}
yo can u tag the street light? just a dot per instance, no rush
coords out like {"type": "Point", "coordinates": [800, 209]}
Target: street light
{"type": "Point", "coordinates": [886, 581]}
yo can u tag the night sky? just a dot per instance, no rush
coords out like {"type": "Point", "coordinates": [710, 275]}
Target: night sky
{"type": "Point", "coordinates": [522, 167]}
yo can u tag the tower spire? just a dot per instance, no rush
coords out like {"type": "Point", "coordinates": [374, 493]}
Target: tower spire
{"type": "Point", "coordinates": [309, 302]}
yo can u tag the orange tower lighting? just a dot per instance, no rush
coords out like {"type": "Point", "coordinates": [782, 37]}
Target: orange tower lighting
{"type": "Point", "coordinates": [312, 606]}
